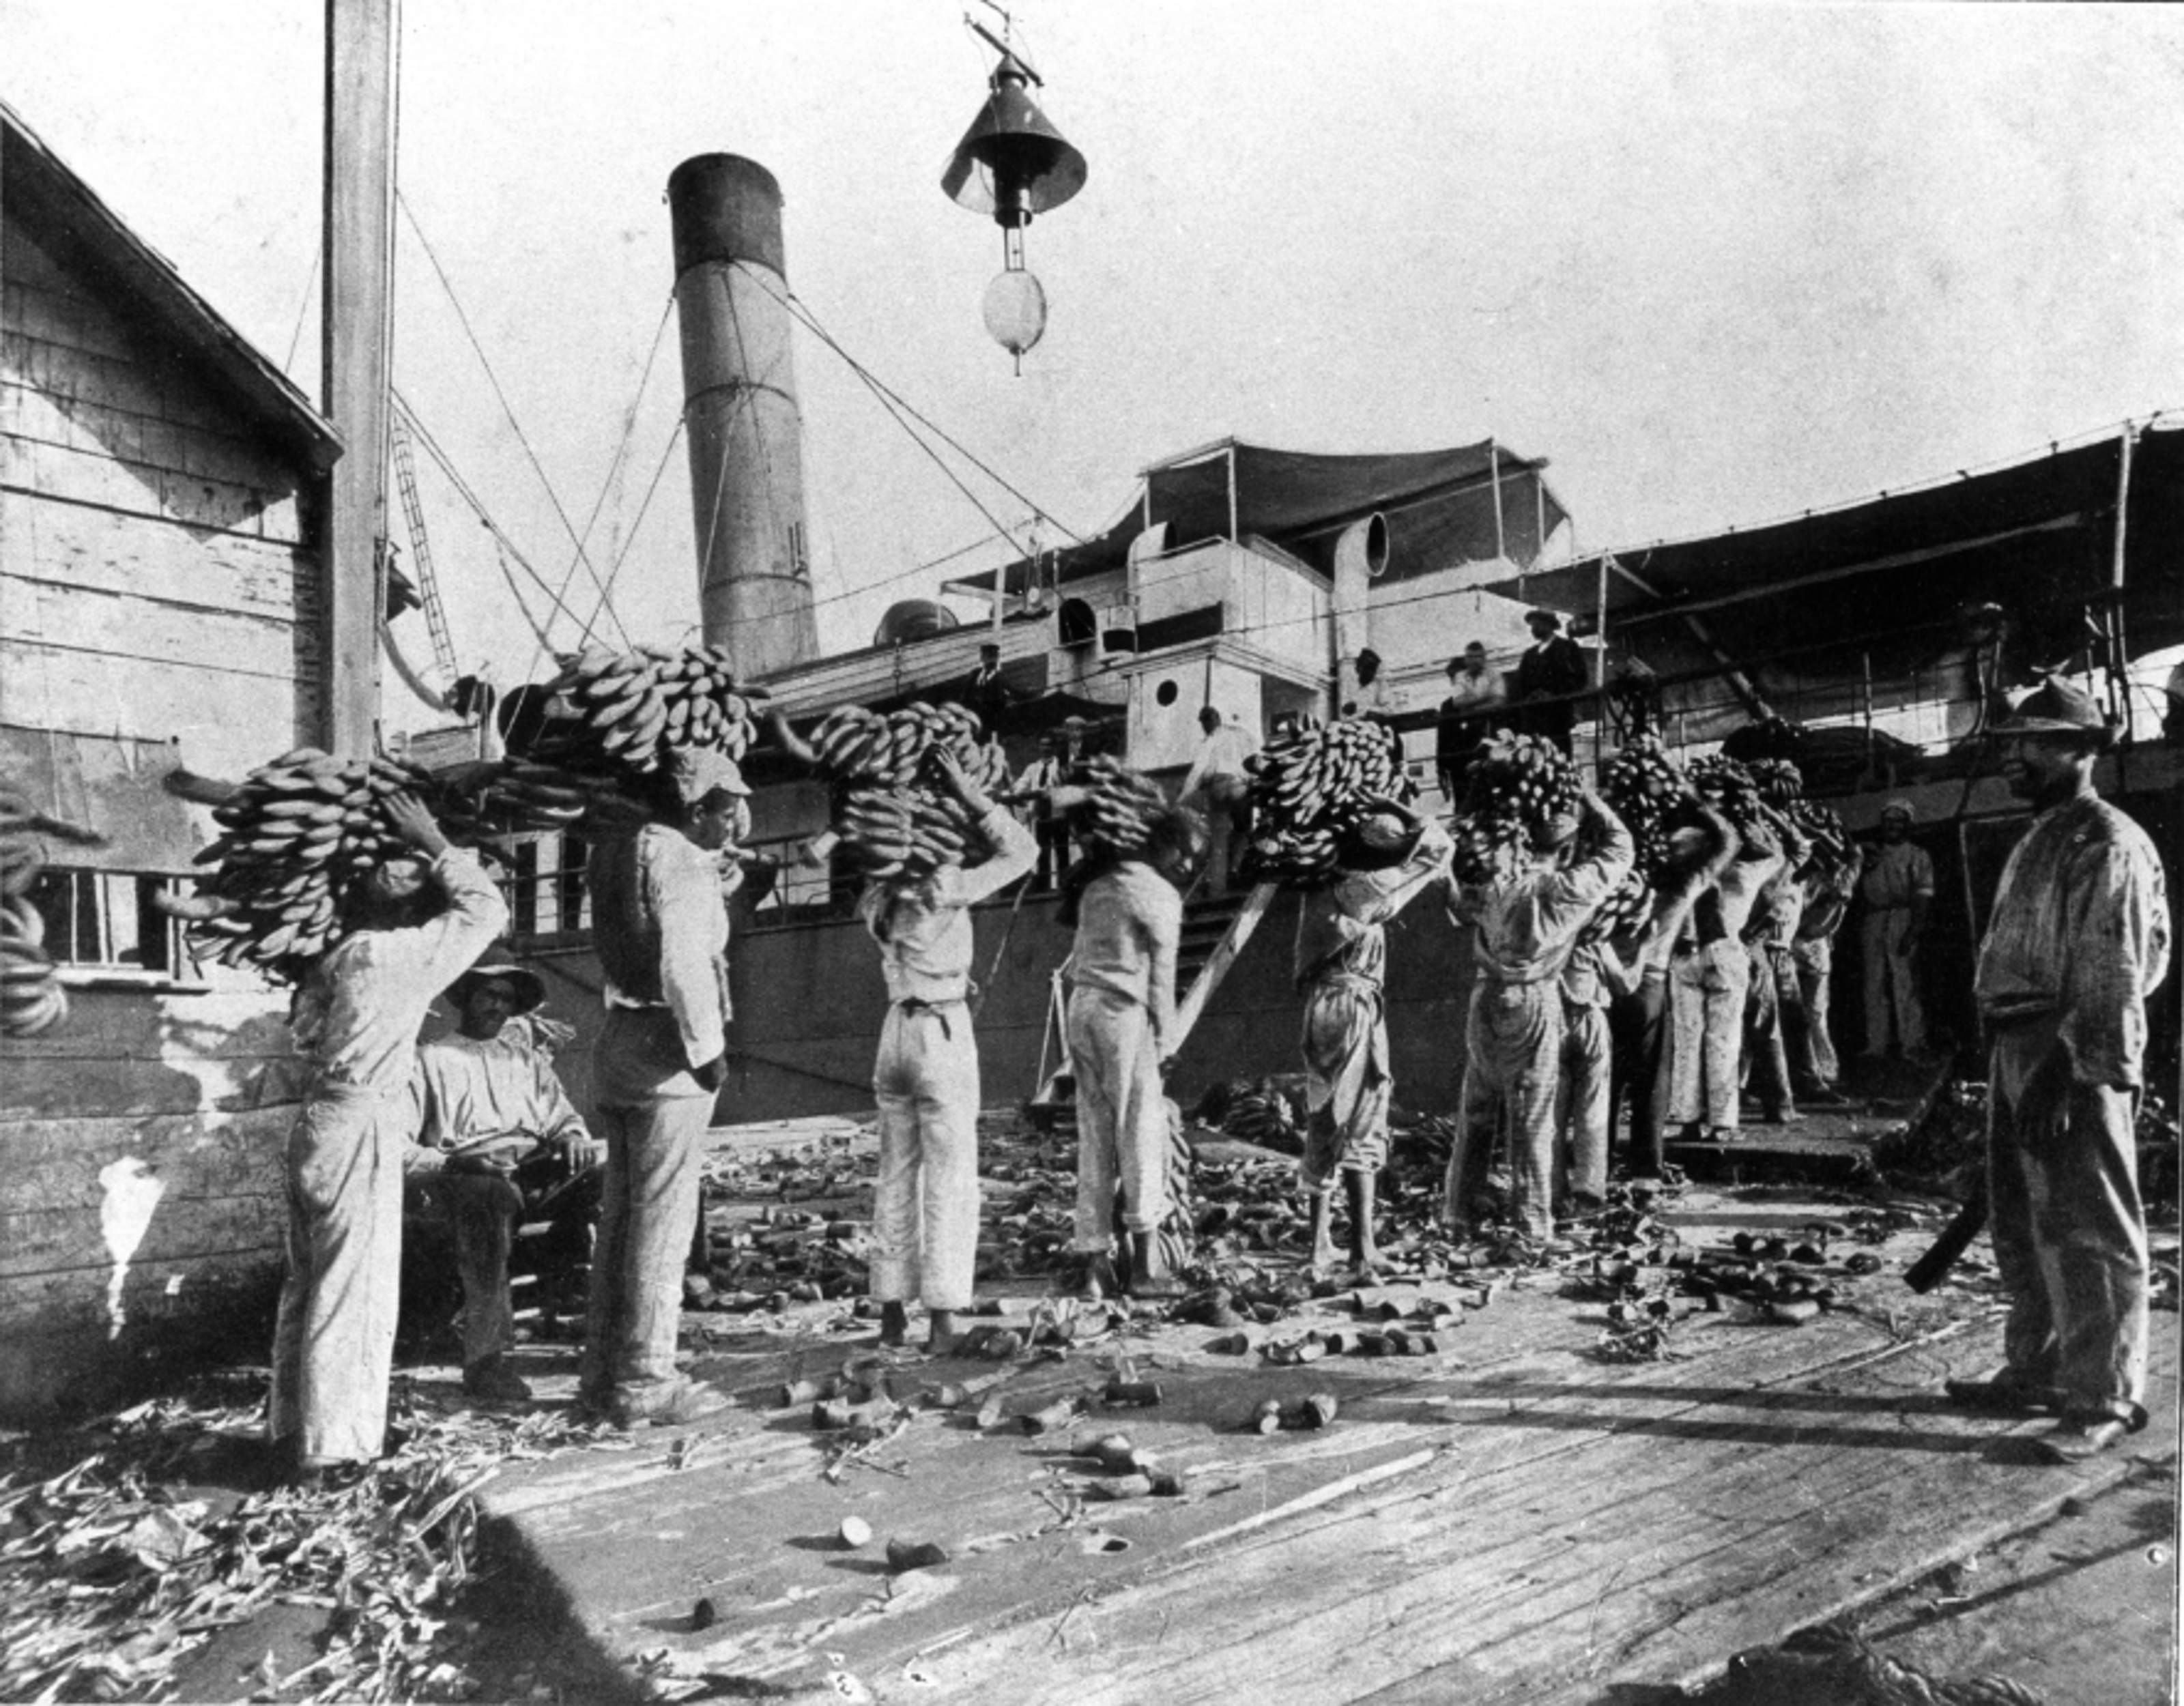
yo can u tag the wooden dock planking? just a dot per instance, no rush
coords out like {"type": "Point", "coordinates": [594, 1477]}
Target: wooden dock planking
{"type": "Point", "coordinates": [1645, 1587]}
{"type": "Point", "coordinates": [1524, 1410]}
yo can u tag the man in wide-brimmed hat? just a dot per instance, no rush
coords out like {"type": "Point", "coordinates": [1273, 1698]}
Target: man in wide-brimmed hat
{"type": "Point", "coordinates": [490, 1116]}
{"type": "Point", "coordinates": [2078, 939]}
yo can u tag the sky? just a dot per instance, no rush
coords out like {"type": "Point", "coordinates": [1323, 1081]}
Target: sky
{"type": "Point", "coordinates": [1717, 263]}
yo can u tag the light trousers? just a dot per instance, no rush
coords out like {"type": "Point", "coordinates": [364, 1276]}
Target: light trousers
{"type": "Point", "coordinates": [1706, 1013]}
{"type": "Point", "coordinates": [1513, 1047]}
{"type": "Point", "coordinates": [1814, 1063]}
{"type": "Point", "coordinates": [925, 1208]}
{"type": "Point", "coordinates": [1346, 1085]}
{"type": "Point", "coordinates": [1582, 1107]}
{"type": "Point", "coordinates": [652, 1114]}
{"type": "Point", "coordinates": [333, 1340]}
{"type": "Point", "coordinates": [2068, 1228]}
{"type": "Point", "coordinates": [1892, 985]}
{"type": "Point", "coordinates": [1121, 1118]}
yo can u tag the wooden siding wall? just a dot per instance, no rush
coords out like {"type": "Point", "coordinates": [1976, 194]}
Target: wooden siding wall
{"type": "Point", "coordinates": [158, 581]}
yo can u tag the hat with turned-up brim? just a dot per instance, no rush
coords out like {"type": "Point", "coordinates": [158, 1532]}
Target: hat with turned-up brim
{"type": "Point", "coordinates": [2055, 707]}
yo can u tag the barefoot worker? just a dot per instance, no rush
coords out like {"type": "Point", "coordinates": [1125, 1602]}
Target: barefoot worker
{"type": "Point", "coordinates": [1341, 968]}
{"type": "Point", "coordinates": [925, 1208]}
{"type": "Point", "coordinates": [1121, 1028]}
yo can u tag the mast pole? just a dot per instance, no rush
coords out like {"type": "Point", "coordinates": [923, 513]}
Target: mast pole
{"type": "Point", "coordinates": [356, 338]}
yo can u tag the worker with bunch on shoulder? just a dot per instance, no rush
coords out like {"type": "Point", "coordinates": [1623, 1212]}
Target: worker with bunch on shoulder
{"type": "Point", "coordinates": [660, 925]}
{"type": "Point", "coordinates": [1528, 918]}
{"type": "Point", "coordinates": [1342, 968]}
{"type": "Point", "coordinates": [490, 1116]}
{"type": "Point", "coordinates": [415, 923]}
{"type": "Point", "coordinates": [925, 1211]}
{"type": "Point", "coordinates": [1127, 913]}
{"type": "Point", "coordinates": [2080, 937]}
{"type": "Point", "coordinates": [1710, 974]}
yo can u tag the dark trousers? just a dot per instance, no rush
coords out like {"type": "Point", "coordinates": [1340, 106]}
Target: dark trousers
{"type": "Point", "coordinates": [1638, 1026]}
{"type": "Point", "coordinates": [1052, 834]}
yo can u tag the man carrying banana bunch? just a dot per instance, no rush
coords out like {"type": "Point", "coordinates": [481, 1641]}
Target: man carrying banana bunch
{"type": "Point", "coordinates": [1528, 918]}
{"type": "Point", "coordinates": [415, 924]}
{"type": "Point", "coordinates": [925, 1211]}
{"type": "Point", "coordinates": [1387, 858]}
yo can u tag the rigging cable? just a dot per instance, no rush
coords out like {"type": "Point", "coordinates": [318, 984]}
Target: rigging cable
{"type": "Point", "coordinates": [501, 541]}
{"type": "Point", "coordinates": [898, 406]}
{"type": "Point", "coordinates": [613, 469]}
{"type": "Point", "coordinates": [493, 379]}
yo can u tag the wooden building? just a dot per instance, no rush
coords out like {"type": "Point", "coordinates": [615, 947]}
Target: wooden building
{"type": "Point", "coordinates": [162, 605]}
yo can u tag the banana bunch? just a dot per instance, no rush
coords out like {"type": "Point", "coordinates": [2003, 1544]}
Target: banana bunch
{"type": "Point", "coordinates": [521, 797]}
{"type": "Point", "coordinates": [899, 825]}
{"type": "Point", "coordinates": [1261, 1114]}
{"type": "Point", "coordinates": [1623, 910]}
{"type": "Point", "coordinates": [1309, 788]}
{"type": "Point", "coordinates": [298, 833]}
{"type": "Point", "coordinates": [855, 744]}
{"type": "Point", "coordinates": [902, 831]}
{"type": "Point", "coordinates": [1514, 787]}
{"type": "Point", "coordinates": [1781, 782]}
{"type": "Point", "coordinates": [615, 712]}
{"type": "Point", "coordinates": [31, 998]}
{"type": "Point", "coordinates": [1649, 793]}
{"type": "Point", "coordinates": [1733, 790]}
{"type": "Point", "coordinates": [1117, 814]}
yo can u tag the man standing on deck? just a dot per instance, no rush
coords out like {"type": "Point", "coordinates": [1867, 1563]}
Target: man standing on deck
{"type": "Point", "coordinates": [355, 1018]}
{"type": "Point", "coordinates": [1528, 924]}
{"type": "Point", "coordinates": [1551, 669]}
{"type": "Point", "coordinates": [1342, 968]}
{"type": "Point", "coordinates": [1897, 889]}
{"type": "Point", "coordinates": [1711, 976]}
{"type": "Point", "coordinates": [1473, 690]}
{"type": "Point", "coordinates": [2078, 938]}
{"type": "Point", "coordinates": [1220, 787]}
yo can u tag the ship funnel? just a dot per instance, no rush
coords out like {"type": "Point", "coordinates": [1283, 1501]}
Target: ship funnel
{"type": "Point", "coordinates": [740, 413]}
{"type": "Point", "coordinates": [1360, 557]}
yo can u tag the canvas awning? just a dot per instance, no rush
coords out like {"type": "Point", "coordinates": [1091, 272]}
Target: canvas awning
{"type": "Point", "coordinates": [1440, 504]}
{"type": "Point", "coordinates": [1804, 610]}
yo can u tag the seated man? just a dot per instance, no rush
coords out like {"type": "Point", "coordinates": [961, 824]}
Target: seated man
{"type": "Point", "coordinates": [491, 1117]}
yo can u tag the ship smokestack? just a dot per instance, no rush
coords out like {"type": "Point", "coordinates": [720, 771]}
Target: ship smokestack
{"type": "Point", "coordinates": [740, 413]}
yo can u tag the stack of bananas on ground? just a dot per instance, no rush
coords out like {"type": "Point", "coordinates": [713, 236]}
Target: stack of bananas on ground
{"type": "Point", "coordinates": [898, 822]}
{"type": "Point", "coordinates": [31, 998]}
{"type": "Point", "coordinates": [1115, 817]}
{"type": "Point", "coordinates": [616, 712]}
{"type": "Point", "coordinates": [298, 833]}
{"type": "Point", "coordinates": [1513, 789]}
{"type": "Point", "coordinates": [1260, 1113]}
{"type": "Point", "coordinates": [1311, 786]}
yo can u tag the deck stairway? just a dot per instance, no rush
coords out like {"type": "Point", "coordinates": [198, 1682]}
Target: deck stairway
{"type": "Point", "coordinates": [1205, 920]}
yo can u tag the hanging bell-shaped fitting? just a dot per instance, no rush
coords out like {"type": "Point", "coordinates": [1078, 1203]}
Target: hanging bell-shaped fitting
{"type": "Point", "coordinates": [1012, 162]}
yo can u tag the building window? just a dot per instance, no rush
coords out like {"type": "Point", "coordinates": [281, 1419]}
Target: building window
{"type": "Point", "coordinates": [545, 887]}
{"type": "Point", "coordinates": [105, 922]}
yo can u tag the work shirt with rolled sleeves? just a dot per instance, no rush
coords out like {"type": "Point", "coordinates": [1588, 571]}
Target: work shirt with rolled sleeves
{"type": "Point", "coordinates": [660, 929]}
{"type": "Point", "coordinates": [356, 1016]}
{"type": "Point", "coordinates": [1595, 975]}
{"type": "Point", "coordinates": [1528, 924]}
{"type": "Point", "coordinates": [1129, 925]}
{"type": "Point", "coordinates": [923, 929]}
{"type": "Point", "coordinates": [1343, 929]}
{"type": "Point", "coordinates": [1900, 870]}
{"type": "Point", "coordinates": [468, 1087]}
{"type": "Point", "coordinates": [2081, 929]}
{"type": "Point", "coordinates": [1222, 754]}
